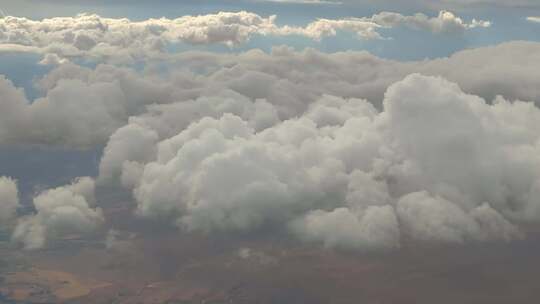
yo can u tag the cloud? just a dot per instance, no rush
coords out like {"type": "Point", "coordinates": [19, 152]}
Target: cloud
{"type": "Point", "coordinates": [534, 19]}
{"type": "Point", "coordinates": [82, 107]}
{"type": "Point", "coordinates": [129, 143]}
{"type": "Point", "coordinates": [463, 147]}
{"type": "Point", "coordinates": [9, 199]}
{"type": "Point", "coordinates": [437, 219]}
{"type": "Point", "coordinates": [344, 174]}
{"type": "Point", "coordinates": [77, 110]}
{"type": "Point", "coordinates": [123, 40]}
{"type": "Point", "coordinates": [299, 141]}
{"type": "Point", "coordinates": [60, 212]}
{"type": "Point", "coordinates": [316, 2]}
{"type": "Point", "coordinates": [445, 22]}
{"type": "Point", "coordinates": [376, 229]}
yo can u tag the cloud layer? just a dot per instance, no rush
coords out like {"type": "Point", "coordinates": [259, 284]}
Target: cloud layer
{"type": "Point", "coordinates": [82, 107]}
{"type": "Point", "coordinates": [345, 150]}
{"type": "Point", "coordinates": [124, 40]}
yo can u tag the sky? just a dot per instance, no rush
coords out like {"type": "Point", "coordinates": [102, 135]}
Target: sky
{"type": "Point", "coordinates": [355, 124]}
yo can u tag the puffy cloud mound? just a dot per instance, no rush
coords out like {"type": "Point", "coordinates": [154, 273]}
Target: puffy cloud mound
{"type": "Point", "coordinates": [376, 229]}
{"type": "Point", "coordinates": [457, 145]}
{"type": "Point", "coordinates": [434, 164]}
{"type": "Point", "coordinates": [437, 219]}
{"type": "Point", "coordinates": [81, 108]}
{"type": "Point", "coordinates": [9, 199]}
{"type": "Point", "coordinates": [60, 212]}
{"type": "Point", "coordinates": [124, 40]}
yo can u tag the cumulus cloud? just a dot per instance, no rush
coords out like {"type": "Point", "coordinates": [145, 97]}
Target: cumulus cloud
{"type": "Point", "coordinates": [431, 218]}
{"type": "Point", "coordinates": [123, 40]}
{"type": "Point", "coordinates": [434, 164]}
{"type": "Point", "coordinates": [445, 22]}
{"type": "Point", "coordinates": [60, 212]}
{"type": "Point", "coordinates": [368, 27]}
{"type": "Point", "coordinates": [82, 107]}
{"type": "Point", "coordinates": [376, 229]}
{"type": "Point", "coordinates": [9, 199]}
{"type": "Point", "coordinates": [462, 147]}
{"type": "Point", "coordinates": [298, 141]}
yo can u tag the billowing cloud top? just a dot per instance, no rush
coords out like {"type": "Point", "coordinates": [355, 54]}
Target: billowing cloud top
{"type": "Point", "coordinates": [60, 212]}
{"type": "Point", "coordinates": [343, 173]}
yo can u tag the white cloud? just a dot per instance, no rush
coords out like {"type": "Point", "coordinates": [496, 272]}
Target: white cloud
{"type": "Point", "coordinates": [375, 229]}
{"type": "Point", "coordinates": [123, 40]}
{"type": "Point", "coordinates": [60, 212]}
{"type": "Point", "coordinates": [9, 199]}
{"type": "Point", "coordinates": [534, 19]}
{"type": "Point", "coordinates": [445, 22]}
{"type": "Point", "coordinates": [347, 150]}
{"type": "Point", "coordinates": [436, 219]}
{"type": "Point", "coordinates": [82, 107]}
{"type": "Point", "coordinates": [457, 145]}
{"type": "Point", "coordinates": [346, 175]}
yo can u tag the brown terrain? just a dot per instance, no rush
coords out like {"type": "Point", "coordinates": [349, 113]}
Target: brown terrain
{"type": "Point", "coordinates": [166, 266]}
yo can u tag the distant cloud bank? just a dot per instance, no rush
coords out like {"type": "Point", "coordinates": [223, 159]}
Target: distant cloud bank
{"type": "Point", "coordinates": [124, 40]}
